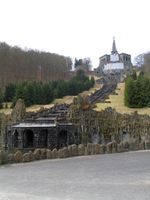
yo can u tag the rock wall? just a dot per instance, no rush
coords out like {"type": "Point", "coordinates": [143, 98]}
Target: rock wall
{"type": "Point", "coordinates": [92, 126]}
{"type": "Point", "coordinates": [108, 125]}
{"type": "Point", "coordinates": [71, 151]}
{"type": "Point", "coordinates": [19, 111]}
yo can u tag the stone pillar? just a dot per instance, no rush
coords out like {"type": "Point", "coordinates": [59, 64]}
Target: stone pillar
{"type": "Point", "coordinates": [19, 139]}
{"type": "Point", "coordinates": [36, 138]}
{"type": "Point", "coordinates": [52, 138]}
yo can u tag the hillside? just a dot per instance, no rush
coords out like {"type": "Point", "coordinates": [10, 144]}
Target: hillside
{"type": "Point", "coordinates": [66, 99]}
{"type": "Point", "coordinates": [117, 102]}
{"type": "Point", "coordinates": [17, 64]}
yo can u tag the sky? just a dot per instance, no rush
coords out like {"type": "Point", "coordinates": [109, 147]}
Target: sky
{"type": "Point", "coordinates": [77, 28]}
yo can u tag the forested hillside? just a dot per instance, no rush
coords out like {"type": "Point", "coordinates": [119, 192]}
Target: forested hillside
{"type": "Point", "coordinates": [20, 65]}
{"type": "Point", "coordinates": [37, 92]}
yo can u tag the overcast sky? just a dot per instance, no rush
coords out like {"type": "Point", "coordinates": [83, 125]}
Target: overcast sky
{"type": "Point", "coordinates": [77, 28]}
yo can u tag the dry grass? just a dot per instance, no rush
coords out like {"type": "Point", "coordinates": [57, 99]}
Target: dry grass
{"type": "Point", "coordinates": [7, 110]}
{"type": "Point", "coordinates": [69, 99]}
{"type": "Point", "coordinates": [33, 108]}
{"type": "Point", "coordinates": [36, 108]}
{"type": "Point", "coordinates": [66, 99]}
{"type": "Point", "coordinates": [117, 102]}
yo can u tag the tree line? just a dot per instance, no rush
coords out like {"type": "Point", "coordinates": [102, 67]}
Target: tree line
{"type": "Point", "coordinates": [17, 65]}
{"type": "Point", "coordinates": [85, 63]}
{"type": "Point", "coordinates": [137, 91]}
{"type": "Point", "coordinates": [38, 92]}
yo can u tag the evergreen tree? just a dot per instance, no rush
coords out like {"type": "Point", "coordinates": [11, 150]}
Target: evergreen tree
{"type": "Point", "coordinates": [42, 93]}
{"type": "Point", "coordinates": [10, 90]}
{"type": "Point", "coordinates": [92, 81]}
{"type": "Point", "coordinates": [137, 92]}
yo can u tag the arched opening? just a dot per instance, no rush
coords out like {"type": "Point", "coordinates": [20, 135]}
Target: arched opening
{"type": "Point", "coordinates": [62, 139]}
{"type": "Point", "coordinates": [16, 134]}
{"type": "Point", "coordinates": [43, 138]}
{"type": "Point", "coordinates": [29, 136]}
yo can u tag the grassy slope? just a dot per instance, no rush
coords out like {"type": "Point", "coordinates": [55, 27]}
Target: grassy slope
{"type": "Point", "coordinates": [117, 102]}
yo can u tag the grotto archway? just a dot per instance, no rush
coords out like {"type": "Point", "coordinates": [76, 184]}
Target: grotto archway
{"type": "Point", "coordinates": [62, 138]}
{"type": "Point", "coordinates": [29, 138]}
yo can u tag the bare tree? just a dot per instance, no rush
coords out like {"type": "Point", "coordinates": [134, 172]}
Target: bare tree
{"type": "Point", "coordinates": [17, 64]}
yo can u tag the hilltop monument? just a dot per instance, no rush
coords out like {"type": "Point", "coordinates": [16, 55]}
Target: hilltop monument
{"type": "Point", "coordinates": [114, 62]}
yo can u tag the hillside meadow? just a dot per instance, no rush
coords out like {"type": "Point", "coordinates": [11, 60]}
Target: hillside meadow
{"type": "Point", "coordinates": [117, 102]}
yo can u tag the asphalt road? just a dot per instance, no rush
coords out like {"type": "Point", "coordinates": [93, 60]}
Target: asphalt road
{"type": "Point", "coordinates": [103, 177]}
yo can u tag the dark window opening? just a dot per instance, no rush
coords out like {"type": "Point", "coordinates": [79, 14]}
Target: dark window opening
{"type": "Point", "coordinates": [29, 135]}
{"type": "Point", "coordinates": [62, 139]}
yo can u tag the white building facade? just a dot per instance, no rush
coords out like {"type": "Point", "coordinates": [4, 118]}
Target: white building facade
{"type": "Point", "coordinates": [114, 62]}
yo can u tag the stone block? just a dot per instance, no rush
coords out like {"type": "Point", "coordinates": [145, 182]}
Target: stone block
{"type": "Point", "coordinates": [48, 154]}
{"type": "Point", "coordinates": [85, 151]}
{"type": "Point", "coordinates": [18, 156]}
{"type": "Point", "coordinates": [102, 149]}
{"type": "Point", "coordinates": [119, 148]}
{"type": "Point", "coordinates": [93, 149]}
{"type": "Point", "coordinates": [142, 145]}
{"type": "Point", "coordinates": [122, 149]}
{"type": "Point", "coordinates": [114, 147]}
{"type": "Point", "coordinates": [136, 145]}
{"type": "Point", "coordinates": [43, 153]}
{"type": "Point", "coordinates": [81, 150]}
{"type": "Point", "coordinates": [74, 150]}
{"type": "Point", "coordinates": [126, 145]}
{"type": "Point", "coordinates": [109, 147]}
{"type": "Point", "coordinates": [70, 150]}
{"type": "Point", "coordinates": [89, 148]}
{"type": "Point", "coordinates": [11, 158]}
{"type": "Point", "coordinates": [54, 153]}
{"type": "Point", "coordinates": [37, 154]}
{"type": "Point", "coordinates": [31, 156]}
{"type": "Point", "coordinates": [66, 152]}
{"type": "Point", "coordinates": [26, 157]}
{"type": "Point", "coordinates": [147, 144]}
{"type": "Point", "coordinates": [133, 145]}
{"type": "Point", "coordinates": [60, 153]}
{"type": "Point", "coordinates": [97, 148]}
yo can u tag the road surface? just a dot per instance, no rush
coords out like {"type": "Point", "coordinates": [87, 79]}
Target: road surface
{"type": "Point", "coordinates": [121, 176]}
